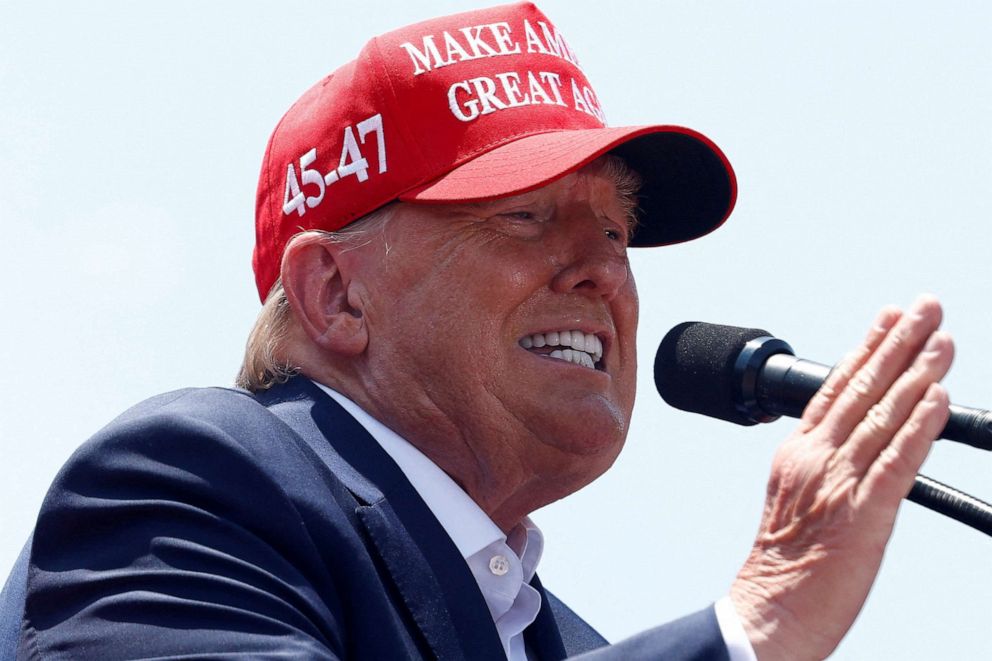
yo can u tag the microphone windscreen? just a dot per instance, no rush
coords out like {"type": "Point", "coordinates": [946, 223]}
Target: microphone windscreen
{"type": "Point", "coordinates": [694, 368]}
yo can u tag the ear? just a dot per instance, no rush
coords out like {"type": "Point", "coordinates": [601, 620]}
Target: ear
{"type": "Point", "coordinates": [318, 293]}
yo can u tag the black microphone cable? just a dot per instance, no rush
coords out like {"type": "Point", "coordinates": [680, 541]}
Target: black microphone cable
{"type": "Point", "coordinates": [747, 376]}
{"type": "Point", "coordinates": [952, 503]}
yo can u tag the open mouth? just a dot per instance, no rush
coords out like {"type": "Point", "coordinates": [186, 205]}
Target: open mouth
{"type": "Point", "coordinates": [572, 346]}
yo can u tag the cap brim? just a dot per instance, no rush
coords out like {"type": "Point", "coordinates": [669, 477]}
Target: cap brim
{"type": "Point", "coordinates": [689, 187]}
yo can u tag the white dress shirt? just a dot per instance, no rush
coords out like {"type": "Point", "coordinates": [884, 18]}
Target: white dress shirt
{"type": "Point", "coordinates": [502, 566]}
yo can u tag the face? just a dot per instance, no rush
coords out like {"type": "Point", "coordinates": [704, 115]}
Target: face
{"type": "Point", "coordinates": [505, 331]}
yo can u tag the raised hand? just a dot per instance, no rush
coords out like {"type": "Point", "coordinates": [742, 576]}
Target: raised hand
{"type": "Point", "coordinates": [837, 482]}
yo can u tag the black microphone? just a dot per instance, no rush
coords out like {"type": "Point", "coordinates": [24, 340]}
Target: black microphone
{"type": "Point", "coordinates": [747, 376]}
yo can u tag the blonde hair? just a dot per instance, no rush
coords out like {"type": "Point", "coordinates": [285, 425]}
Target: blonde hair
{"type": "Point", "coordinates": [264, 366]}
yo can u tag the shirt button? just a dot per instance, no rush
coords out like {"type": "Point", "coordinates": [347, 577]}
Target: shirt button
{"type": "Point", "coordinates": [499, 565]}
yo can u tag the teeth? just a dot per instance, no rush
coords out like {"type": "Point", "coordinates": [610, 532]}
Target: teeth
{"type": "Point", "coordinates": [586, 349]}
{"type": "Point", "coordinates": [579, 340]}
{"type": "Point", "coordinates": [573, 356]}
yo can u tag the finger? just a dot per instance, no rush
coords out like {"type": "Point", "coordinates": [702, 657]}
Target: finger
{"type": "Point", "coordinates": [891, 475]}
{"type": "Point", "coordinates": [874, 378]}
{"type": "Point", "coordinates": [884, 420]}
{"type": "Point", "coordinates": [841, 374]}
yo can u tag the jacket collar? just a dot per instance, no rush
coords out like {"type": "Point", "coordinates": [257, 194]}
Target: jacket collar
{"type": "Point", "coordinates": [436, 585]}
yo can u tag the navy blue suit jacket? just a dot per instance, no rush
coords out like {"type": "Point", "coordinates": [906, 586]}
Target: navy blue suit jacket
{"type": "Point", "coordinates": [216, 523]}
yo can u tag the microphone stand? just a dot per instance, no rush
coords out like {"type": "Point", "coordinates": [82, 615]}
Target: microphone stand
{"type": "Point", "coordinates": [952, 503]}
{"type": "Point", "coordinates": [765, 380]}
{"type": "Point", "coordinates": [800, 379]}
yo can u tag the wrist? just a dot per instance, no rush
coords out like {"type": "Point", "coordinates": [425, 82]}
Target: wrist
{"type": "Point", "coordinates": [771, 628]}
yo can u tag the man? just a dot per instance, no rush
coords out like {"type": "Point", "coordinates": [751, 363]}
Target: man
{"type": "Point", "coordinates": [447, 344]}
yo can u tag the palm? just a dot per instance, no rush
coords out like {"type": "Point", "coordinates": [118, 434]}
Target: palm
{"type": "Point", "coordinates": [836, 485]}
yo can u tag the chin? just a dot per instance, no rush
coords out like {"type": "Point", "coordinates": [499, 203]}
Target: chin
{"type": "Point", "coordinates": [590, 437]}
{"type": "Point", "coordinates": [591, 425]}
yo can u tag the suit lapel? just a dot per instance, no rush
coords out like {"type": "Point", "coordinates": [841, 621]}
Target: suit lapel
{"type": "Point", "coordinates": [543, 637]}
{"type": "Point", "coordinates": [558, 632]}
{"type": "Point", "coordinates": [436, 585]}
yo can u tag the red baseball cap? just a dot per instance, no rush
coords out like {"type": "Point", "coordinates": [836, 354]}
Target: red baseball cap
{"type": "Point", "coordinates": [472, 106]}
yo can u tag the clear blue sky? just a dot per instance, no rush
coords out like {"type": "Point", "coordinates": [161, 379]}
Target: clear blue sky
{"type": "Point", "coordinates": [130, 140]}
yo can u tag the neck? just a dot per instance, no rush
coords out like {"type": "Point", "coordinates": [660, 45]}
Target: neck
{"type": "Point", "coordinates": [505, 489]}
{"type": "Point", "coordinates": [500, 464]}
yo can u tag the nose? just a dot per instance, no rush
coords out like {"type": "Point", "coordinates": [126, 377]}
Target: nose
{"type": "Point", "coordinates": [597, 267]}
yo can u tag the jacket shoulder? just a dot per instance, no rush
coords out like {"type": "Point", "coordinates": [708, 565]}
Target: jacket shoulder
{"type": "Point", "coordinates": [192, 419]}
{"type": "Point", "coordinates": [221, 406]}
{"type": "Point", "coordinates": [195, 506]}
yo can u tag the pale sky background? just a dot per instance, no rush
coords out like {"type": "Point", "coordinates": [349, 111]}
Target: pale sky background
{"type": "Point", "coordinates": [130, 141]}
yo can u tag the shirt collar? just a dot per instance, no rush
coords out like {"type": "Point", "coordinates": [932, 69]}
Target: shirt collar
{"type": "Point", "coordinates": [469, 527]}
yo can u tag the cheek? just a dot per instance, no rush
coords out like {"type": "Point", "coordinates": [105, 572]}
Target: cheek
{"type": "Point", "coordinates": [626, 311]}
{"type": "Point", "coordinates": [444, 319]}
{"type": "Point", "coordinates": [487, 287]}
{"type": "Point", "coordinates": [521, 276]}
{"type": "Point", "coordinates": [629, 294]}
{"type": "Point", "coordinates": [629, 302]}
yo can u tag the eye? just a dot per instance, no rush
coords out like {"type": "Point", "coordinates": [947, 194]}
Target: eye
{"type": "Point", "coordinates": [614, 235]}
